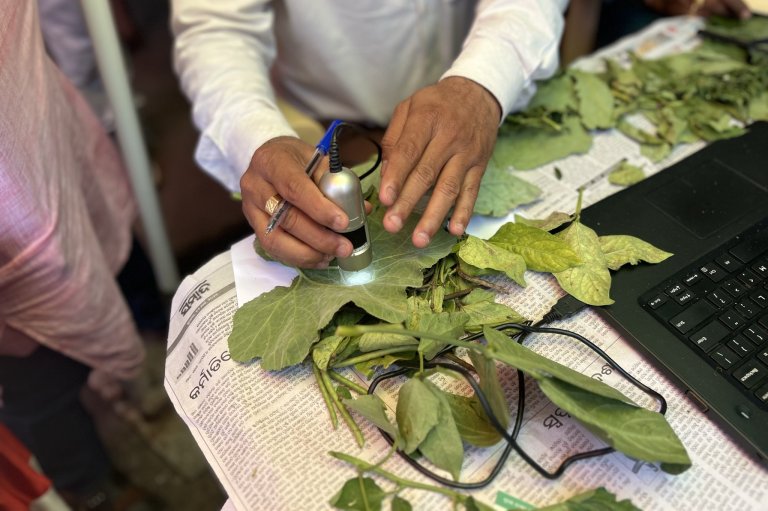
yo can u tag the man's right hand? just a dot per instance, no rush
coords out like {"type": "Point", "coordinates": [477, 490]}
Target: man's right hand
{"type": "Point", "coordinates": [305, 236]}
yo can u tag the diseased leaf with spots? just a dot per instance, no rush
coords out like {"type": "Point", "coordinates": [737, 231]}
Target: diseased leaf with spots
{"type": "Point", "coordinates": [482, 254]}
{"type": "Point", "coordinates": [260, 328]}
{"type": "Point", "coordinates": [541, 250]}
{"type": "Point", "coordinates": [501, 191]}
{"type": "Point", "coordinates": [590, 282]}
{"type": "Point", "coordinates": [620, 249]}
{"type": "Point", "coordinates": [599, 499]}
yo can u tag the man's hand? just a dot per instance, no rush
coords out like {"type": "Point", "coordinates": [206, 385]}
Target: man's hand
{"type": "Point", "coordinates": [442, 136]}
{"type": "Point", "coordinates": [304, 237]}
{"type": "Point", "coordinates": [733, 8]}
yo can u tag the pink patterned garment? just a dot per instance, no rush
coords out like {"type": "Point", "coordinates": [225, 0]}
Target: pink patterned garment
{"type": "Point", "coordinates": [66, 210]}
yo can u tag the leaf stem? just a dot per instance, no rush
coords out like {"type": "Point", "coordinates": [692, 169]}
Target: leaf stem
{"type": "Point", "coordinates": [347, 382]}
{"type": "Point", "coordinates": [351, 424]}
{"type": "Point", "coordinates": [353, 330]}
{"type": "Point", "coordinates": [373, 354]}
{"type": "Point", "coordinates": [326, 395]}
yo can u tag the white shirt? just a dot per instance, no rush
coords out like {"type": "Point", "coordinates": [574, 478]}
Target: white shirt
{"type": "Point", "coordinates": [346, 59]}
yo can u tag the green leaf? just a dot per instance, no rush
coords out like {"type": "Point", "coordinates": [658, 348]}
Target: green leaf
{"type": "Point", "coordinates": [622, 249]}
{"type": "Point", "coordinates": [372, 408]}
{"type": "Point", "coordinates": [524, 147]}
{"type": "Point", "coordinates": [593, 500]}
{"type": "Point", "coordinates": [472, 504]}
{"type": "Point", "coordinates": [541, 250]}
{"type": "Point", "coordinates": [472, 422]}
{"type": "Point", "coordinates": [260, 328]}
{"type": "Point", "coordinates": [482, 254]}
{"type": "Point", "coordinates": [758, 108]}
{"type": "Point", "coordinates": [505, 350]}
{"type": "Point", "coordinates": [448, 324]}
{"type": "Point", "coordinates": [378, 341]}
{"type": "Point", "coordinates": [635, 431]}
{"type": "Point", "coordinates": [418, 411]}
{"type": "Point", "coordinates": [359, 494]}
{"type": "Point", "coordinates": [556, 95]}
{"type": "Point", "coordinates": [400, 504]}
{"type": "Point", "coordinates": [325, 350]}
{"type": "Point", "coordinates": [491, 386]}
{"type": "Point", "coordinates": [442, 445]}
{"type": "Point", "coordinates": [595, 100]}
{"type": "Point", "coordinates": [626, 174]}
{"type": "Point", "coordinates": [489, 313]}
{"type": "Point", "coordinates": [501, 191]}
{"type": "Point", "coordinates": [589, 282]}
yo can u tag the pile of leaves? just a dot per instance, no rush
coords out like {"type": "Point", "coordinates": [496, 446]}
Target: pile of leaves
{"type": "Point", "coordinates": [706, 94]}
{"type": "Point", "coordinates": [423, 301]}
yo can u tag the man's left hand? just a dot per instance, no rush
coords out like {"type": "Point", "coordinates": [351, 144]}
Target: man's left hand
{"type": "Point", "coordinates": [440, 138]}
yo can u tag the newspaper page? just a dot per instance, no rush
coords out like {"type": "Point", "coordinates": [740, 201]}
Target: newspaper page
{"type": "Point", "coordinates": [267, 434]}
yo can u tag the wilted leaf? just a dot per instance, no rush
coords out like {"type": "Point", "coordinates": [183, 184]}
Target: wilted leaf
{"type": "Point", "coordinates": [471, 421]}
{"type": "Point", "coordinates": [324, 350]}
{"type": "Point", "coordinates": [552, 222]}
{"type": "Point", "coordinates": [418, 411]}
{"type": "Point", "coordinates": [443, 446]}
{"type": "Point", "coordinates": [620, 249]}
{"type": "Point", "coordinates": [491, 386]}
{"type": "Point", "coordinates": [626, 174]}
{"type": "Point", "coordinates": [524, 147]}
{"type": "Point", "coordinates": [595, 100]}
{"type": "Point", "coordinates": [489, 313]}
{"type": "Point", "coordinates": [501, 191]}
{"type": "Point", "coordinates": [372, 408]}
{"type": "Point", "coordinates": [260, 329]}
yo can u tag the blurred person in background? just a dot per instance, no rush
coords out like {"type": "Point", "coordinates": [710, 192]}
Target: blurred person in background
{"type": "Point", "coordinates": [66, 215]}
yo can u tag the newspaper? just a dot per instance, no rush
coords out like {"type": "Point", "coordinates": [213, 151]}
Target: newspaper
{"type": "Point", "coordinates": [267, 435]}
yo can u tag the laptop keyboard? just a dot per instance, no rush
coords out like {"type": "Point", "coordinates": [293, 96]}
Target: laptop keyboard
{"type": "Point", "coordinates": [719, 307]}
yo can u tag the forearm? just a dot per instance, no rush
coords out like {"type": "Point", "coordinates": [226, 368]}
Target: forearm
{"type": "Point", "coordinates": [511, 44]}
{"type": "Point", "coordinates": [222, 56]}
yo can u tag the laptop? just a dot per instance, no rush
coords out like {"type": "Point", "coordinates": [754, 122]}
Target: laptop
{"type": "Point", "coordinates": [702, 314]}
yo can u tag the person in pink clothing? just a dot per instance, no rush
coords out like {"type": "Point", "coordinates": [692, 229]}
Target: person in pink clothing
{"type": "Point", "coordinates": [66, 215]}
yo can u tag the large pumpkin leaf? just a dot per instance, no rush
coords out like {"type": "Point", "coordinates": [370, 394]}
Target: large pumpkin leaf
{"type": "Point", "coordinates": [501, 191]}
{"type": "Point", "coordinates": [280, 326]}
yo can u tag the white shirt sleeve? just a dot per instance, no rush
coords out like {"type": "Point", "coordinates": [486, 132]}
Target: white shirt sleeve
{"type": "Point", "coordinates": [222, 55]}
{"type": "Point", "coordinates": [511, 44]}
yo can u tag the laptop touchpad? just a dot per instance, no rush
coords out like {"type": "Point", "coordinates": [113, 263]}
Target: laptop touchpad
{"type": "Point", "coordinates": [706, 198]}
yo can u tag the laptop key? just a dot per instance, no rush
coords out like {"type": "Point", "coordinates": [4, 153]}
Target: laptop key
{"type": "Point", "coordinates": [684, 297]}
{"type": "Point", "coordinates": [657, 301]}
{"type": "Point", "coordinates": [761, 268]}
{"type": "Point", "coordinates": [724, 357]}
{"type": "Point", "coordinates": [762, 392]}
{"type": "Point", "coordinates": [741, 346]}
{"type": "Point", "coordinates": [750, 373]}
{"type": "Point", "coordinates": [755, 334]}
{"type": "Point", "coordinates": [751, 248]}
{"type": "Point", "coordinates": [692, 316]}
{"type": "Point", "coordinates": [713, 271]}
{"type": "Point", "coordinates": [760, 297]}
{"type": "Point", "coordinates": [692, 278]}
{"type": "Point", "coordinates": [763, 355]}
{"type": "Point", "coordinates": [674, 289]}
{"type": "Point", "coordinates": [719, 298]}
{"type": "Point", "coordinates": [747, 308]}
{"type": "Point", "coordinates": [709, 335]}
{"type": "Point", "coordinates": [728, 262]}
{"type": "Point", "coordinates": [731, 319]}
{"type": "Point", "coordinates": [749, 278]}
{"type": "Point", "coordinates": [734, 288]}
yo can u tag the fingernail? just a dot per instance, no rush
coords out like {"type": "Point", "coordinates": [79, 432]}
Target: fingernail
{"type": "Point", "coordinates": [339, 223]}
{"type": "Point", "coordinates": [422, 239]}
{"type": "Point", "coordinates": [396, 222]}
{"type": "Point", "coordinates": [342, 250]}
{"type": "Point", "coordinates": [458, 229]}
{"type": "Point", "coordinates": [391, 195]}
{"type": "Point", "coordinates": [322, 264]}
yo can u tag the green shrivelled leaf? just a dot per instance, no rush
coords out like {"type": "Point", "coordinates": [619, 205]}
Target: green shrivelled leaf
{"type": "Point", "coordinates": [589, 282]}
{"type": "Point", "coordinates": [372, 408]}
{"type": "Point", "coordinates": [655, 152]}
{"type": "Point", "coordinates": [377, 341]}
{"type": "Point", "coordinates": [635, 431]}
{"type": "Point", "coordinates": [552, 222]}
{"type": "Point", "coordinates": [446, 324]}
{"type": "Point", "coordinates": [525, 147]}
{"type": "Point", "coordinates": [501, 191]}
{"type": "Point", "coordinates": [505, 350]}
{"type": "Point", "coordinates": [482, 254]}
{"type": "Point", "coordinates": [595, 100]}
{"type": "Point", "coordinates": [593, 500]}
{"type": "Point", "coordinates": [442, 445]}
{"type": "Point", "coordinates": [418, 411]}
{"type": "Point", "coordinates": [260, 329]}
{"type": "Point", "coordinates": [489, 313]}
{"type": "Point", "coordinates": [369, 367]}
{"type": "Point", "coordinates": [626, 174]}
{"type": "Point", "coordinates": [556, 95]}
{"type": "Point", "coordinates": [326, 349]}
{"type": "Point", "coordinates": [359, 494]}
{"type": "Point", "coordinates": [622, 249]}
{"type": "Point", "coordinates": [541, 250]}
{"type": "Point", "coordinates": [471, 421]}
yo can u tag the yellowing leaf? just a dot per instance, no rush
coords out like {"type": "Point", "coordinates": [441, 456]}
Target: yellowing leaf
{"type": "Point", "coordinates": [620, 249]}
{"type": "Point", "coordinates": [626, 174]}
{"type": "Point", "coordinates": [482, 254]}
{"type": "Point", "coordinates": [590, 282]}
{"type": "Point", "coordinates": [541, 250]}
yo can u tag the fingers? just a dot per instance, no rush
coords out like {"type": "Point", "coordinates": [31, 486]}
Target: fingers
{"type": "Point", "coordinates": [303, 237]}
{"type": "Point", "coordinates": [735, 8]}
